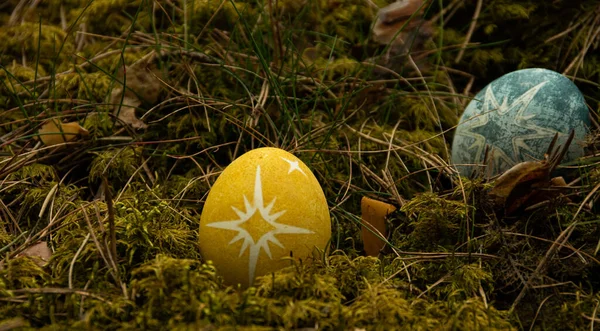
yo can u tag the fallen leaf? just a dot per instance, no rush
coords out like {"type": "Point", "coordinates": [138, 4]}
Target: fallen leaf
{"type": "Point", "coordinates": [374, 213]}
{"type": "Point", "coordinates": [558, 182]}
{"type": "Point", "coordinates": [520, 177]}
{"type": "Point", "coordinates": [142, 86]}
{"type": "Point", "coordinates": [400, 24]}
{"type": "Point", "coordinates": [526, 180]}
{"type": "Point", "coordinates": [400, 27]}
{"type": "Point", "coordinates": [55, 132]}
{"type": "Point", "coordinates": [556, 188]}
{"type": "Point", "coordinates": [40, 253]}
{"type": "Point", "coordinates": [126, 113]}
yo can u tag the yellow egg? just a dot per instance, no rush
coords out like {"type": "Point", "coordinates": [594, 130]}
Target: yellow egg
{"type": "Point", "coordinates": [266, 205]}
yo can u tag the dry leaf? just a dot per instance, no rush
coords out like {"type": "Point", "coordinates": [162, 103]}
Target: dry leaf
{"type": "Point", "coordinates": [40, 253]}
{"type": "Point", "coordinates": [126, 113]}
{"type": "Point", "coordinates": [404, 32]}
{"type": "Point", "coordinates": [524, 174]}
{"type": "Point", "coordinates": [556, 188]}
{"type": "Point", "coordinates": [142, 86]}
{"type": "Point", "coordinates": [374, 213]}
{"type": "Point", "coordinates": [394, 24]}
{"type": "Point", "coordinates": [55, 132]}
{"type": "Point", "coordinates": [526, 180]}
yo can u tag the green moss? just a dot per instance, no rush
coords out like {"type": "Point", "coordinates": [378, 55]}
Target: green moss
{"type": "Point", "coordinates": [22, 42]}
{"type": "Point", "coordinates": [21, 272]}
{"type": "Point", "coordinates": [150, 227]}
{"type": "Point", "coordinates": [436, 221]}
{"type": "Point", "coordinates": [93, 87]}
{"type": "Point", "coordinates": [99, 124]}
{"type": "Point", "coordinates": [114, 164]}
{"type": "Point", "coordinates": [172, 289]}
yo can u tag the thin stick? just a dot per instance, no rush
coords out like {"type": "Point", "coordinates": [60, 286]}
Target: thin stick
{"type": "Point", "coordinates": [75, 259]}
{"type": "Point", "coordinates": [470, 32]}
{"type": "Point", "coordinates": [111, 221]}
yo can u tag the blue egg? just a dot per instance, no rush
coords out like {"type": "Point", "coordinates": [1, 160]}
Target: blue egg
{"type": "Point", "coordinates": [517, 115]}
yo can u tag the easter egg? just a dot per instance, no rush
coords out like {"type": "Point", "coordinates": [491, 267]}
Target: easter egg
{"type": "Point", "coordinates": [266, 206]}
{"type": "Point", "coordinates": [517, 116]}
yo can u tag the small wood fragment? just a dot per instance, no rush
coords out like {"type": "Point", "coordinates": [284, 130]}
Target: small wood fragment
{"type": "Point", "coordinates": [54, 132]}
{"type": "Point", "coordinates": [374, 213]}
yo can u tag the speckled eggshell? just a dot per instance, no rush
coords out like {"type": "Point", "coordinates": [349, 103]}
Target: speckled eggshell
{"type": "Point", "coordinates": [517, 115]}
{"type": "Point", "coordinates": [266, 206]}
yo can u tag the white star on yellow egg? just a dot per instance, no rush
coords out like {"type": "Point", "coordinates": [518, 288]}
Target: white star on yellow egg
{"type": "Point", "coordinates": [294, 166]}
{"type": "Point", "coordinates": [260, 215]}
{"type": "Point", "coordinates": [264, 212]}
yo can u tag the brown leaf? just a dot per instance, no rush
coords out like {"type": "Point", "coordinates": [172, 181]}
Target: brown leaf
{"type": "Point", "coordinates": [40, 253]}
{"type": "Point", "coordinates": [394, 21]}
{"type": "Point", "coordinates": [556, 188]}
{"type": "Point", "coordinates": [404, 32]}
{"type": "Point", "coordinates": [400, 11]}
{"type": "Point", "coordinates": [525, 181]}
{"type": "Point", "coordinates": [126, 113]}
{"type": "Point", "coordinates": [522, 175]}
{"type": "Point", "coordinates": [55, 132]}
{"type": "Point", "coordinates": [143, 85]}
{"type": "Point", "coordinates": [374, 213]}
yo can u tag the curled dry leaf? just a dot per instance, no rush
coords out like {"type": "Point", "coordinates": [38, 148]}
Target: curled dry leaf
{"type": "Point", "coordinates": [558, 186]}
{"type": "Point", "coordinates": [528, 180]}
{"type": "Point", "coordinates": [55, 132]}
{"type": "Point", "coordinates": [126, 113]}
{"type": "Point", "coordinates": [401, 25]}
{"type": "Point", "coordinates": [142, 86]}
{"type": "Point", "coordinates": [374, 213]}
{"type": "Point", "coordinates": [40, 253]}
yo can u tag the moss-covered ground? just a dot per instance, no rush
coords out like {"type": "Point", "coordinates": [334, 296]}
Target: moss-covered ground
{"type": "Point", "coordinates": [118, 206]}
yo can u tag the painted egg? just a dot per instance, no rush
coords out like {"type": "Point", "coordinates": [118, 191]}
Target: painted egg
{"type": "Point", "coordinates": [517, 115]}
{"type": "Point", "coordinates": [266, 206]}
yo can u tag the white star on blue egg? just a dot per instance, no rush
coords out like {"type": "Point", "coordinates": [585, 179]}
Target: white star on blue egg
{"type": "Point", "coordinates": [516, 116]}
{"type": "Point", "coordinates": [495, 118]}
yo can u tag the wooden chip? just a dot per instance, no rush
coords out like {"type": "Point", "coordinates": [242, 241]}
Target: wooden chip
{"type": "Point", "coordinates": [374, 213]}
{"type": "Point", "coordinates": [55, 132]}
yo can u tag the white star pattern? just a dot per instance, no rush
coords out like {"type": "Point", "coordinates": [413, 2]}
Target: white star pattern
{"type": "Point", "coordinates": [264, 212]}
{"type": "Point", "coordinates": [493, 109]}
{"type": "Point", "coordinates": [294, 166]}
